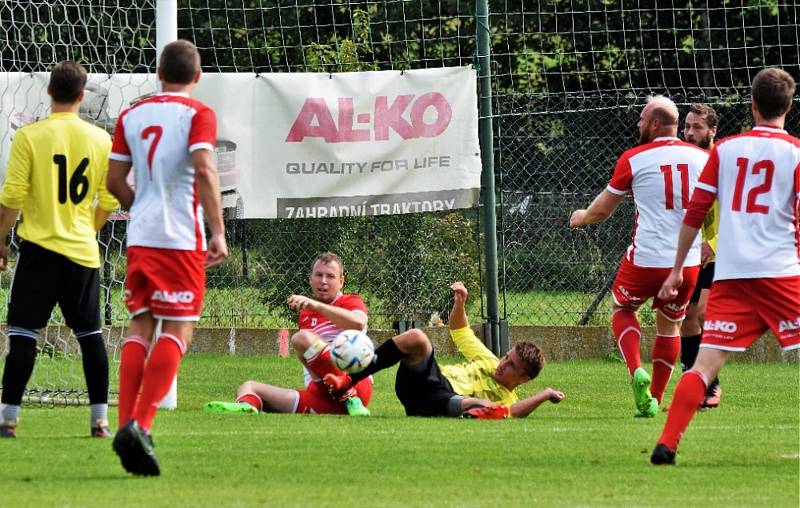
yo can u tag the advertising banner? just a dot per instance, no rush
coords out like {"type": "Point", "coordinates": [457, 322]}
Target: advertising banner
{"type": "Point", "coordinates": [304, 145]}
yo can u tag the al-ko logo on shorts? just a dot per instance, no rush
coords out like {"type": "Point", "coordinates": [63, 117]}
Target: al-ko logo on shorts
{"type": "Point", "coordinates": [172, 296]}
{"type": "Point", "coordinates": [410, 116]}
{"type": "Point", "coordinates": [720, 326]}
{"type": "Point", "coordinates": [675, 307]}
{"type": "Point", "coordinates": [785, 326]}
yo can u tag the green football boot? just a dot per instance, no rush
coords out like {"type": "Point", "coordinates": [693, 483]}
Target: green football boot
{"type": "Point", "coordinates": [650, 410]}
{"type": "Point", "coordinates": [355, 407]}
{"type": "Point", "coordinates": [646, 404]}
{"type": "Point", "coordinates": [216, 406]}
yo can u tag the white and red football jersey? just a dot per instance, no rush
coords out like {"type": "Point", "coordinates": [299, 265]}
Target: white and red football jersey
{"type": "Point", "coordinates": [661, 176]}
{"type": "Point", "coordinates": [158, 135]}
{"type": "Point", "coordinates": [322, 326]}
{"type": "Point", "coordinates": [756, 178]}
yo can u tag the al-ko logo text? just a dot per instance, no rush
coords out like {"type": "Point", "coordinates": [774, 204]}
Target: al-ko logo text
{"type": "Point", "coordinates": [172, 296]}
{"type": "Point", "coordinates": [410, 116]}
{"type": "Point", "coordinates": [721, 326]}
{"type": "Point", "coordinates": [786, 325]}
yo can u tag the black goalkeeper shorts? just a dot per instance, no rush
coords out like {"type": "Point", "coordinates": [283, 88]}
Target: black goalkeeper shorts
{"type": "Point", "coordinates": [43, 278]}
{"type": "Point", "coordinates": [423, 390]}
{"type": "Point", "coordinates": [704, 281]}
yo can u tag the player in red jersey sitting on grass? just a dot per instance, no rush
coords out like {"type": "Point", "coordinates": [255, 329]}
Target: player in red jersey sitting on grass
{"type": "Point", "coordinates": [320, 320]}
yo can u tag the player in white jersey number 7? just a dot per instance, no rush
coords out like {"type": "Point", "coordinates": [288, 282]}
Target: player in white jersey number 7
{"type": "Point", "coordinates": [169, 141]}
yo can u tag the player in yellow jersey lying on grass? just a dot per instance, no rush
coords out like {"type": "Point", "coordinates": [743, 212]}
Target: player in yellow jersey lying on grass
{"type": "Point", "coordinates": [481, 387]}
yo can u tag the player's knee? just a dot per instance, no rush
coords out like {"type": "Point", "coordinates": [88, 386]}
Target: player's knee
{"type": "Point", "coordinates": [246, 387]}
{"type": "Point", "coordinates": [622, 309]}
{"type": "Point", "coordinates": [413, 340]}
{"type": "Point", "coordinates": [21, 348]}
{"type": "Point", "coordinates": [690, 326]}
{"type": "Point", "coordinates": [302, 339]}
{"type": "Point", "coordinates": [667, 324]}
{"type": "Point", "coordinates": [89, 339]}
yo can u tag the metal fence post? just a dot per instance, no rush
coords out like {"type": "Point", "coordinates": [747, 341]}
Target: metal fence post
{"type": "Point", "coordinates": [486, 134]}
{"type": "Point", "coordinates": [106, 234]}
{"type": "Point", "coordinates": [245, 240]}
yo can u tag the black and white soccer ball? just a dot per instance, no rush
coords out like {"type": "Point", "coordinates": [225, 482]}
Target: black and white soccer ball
{"type": "Point", "coordinates": [352, 351]}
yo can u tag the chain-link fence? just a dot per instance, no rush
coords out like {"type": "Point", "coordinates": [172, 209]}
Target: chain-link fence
{"type": "Point", "coordinates": [550, 165]}
{"type": "Point", "coordinates": [570, 82]}
{"type": "Point", "coordinates": [401, 265]}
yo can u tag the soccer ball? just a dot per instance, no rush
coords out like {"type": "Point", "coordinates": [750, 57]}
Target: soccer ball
{"type": "Point", "coordinates": [352, 351]}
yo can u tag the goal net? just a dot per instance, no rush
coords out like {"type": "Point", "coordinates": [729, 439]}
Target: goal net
{"type": "Point", "coordinates": [108, 38]}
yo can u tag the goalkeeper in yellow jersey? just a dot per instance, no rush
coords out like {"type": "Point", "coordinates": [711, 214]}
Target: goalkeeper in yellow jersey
{"type": "Point", "coordinates": [700, 128]}
{"type": "Point", "coordinates": [481, 387]}
{"type": "Point", "coordinates": [57, 177]}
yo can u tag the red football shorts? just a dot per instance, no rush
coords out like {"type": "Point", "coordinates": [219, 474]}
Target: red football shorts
{"type": "Point", "coordinates": [316, 399]}
{"type": "Point", "coordinates": [741, 310]}
{"type": "Point", "coordinates": [170, 284]}
{"type": "Point", "coordinates": [634, 285]}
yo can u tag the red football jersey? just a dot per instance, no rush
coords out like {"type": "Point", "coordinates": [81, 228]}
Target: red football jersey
{"type": "Point", "coordinates": [322, 326]}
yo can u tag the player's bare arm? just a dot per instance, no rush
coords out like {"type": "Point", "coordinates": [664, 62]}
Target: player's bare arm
{"type": "Point", "coordinates": [117, 183]}
{"type": "Point", "coordinates": [600, 210]}
{"type": "Point", "coordinates": [100, 218]}
{"type": "Point", "coordinates": [8, 216]}
{"type": "Point", "coordinates": [524, 407]}
{"type": "Point", "coordinates": [458, 315]}
{"type": "Point", "coordinates": [343, 318]}
{"type": "Point", "coordinates": [468, 402]}
{"type": "Point", "coordinates": [706, 253]}
{"type": "Point", "coordinates": [669, 290]}
{"type": "Point", "coordinates": [208, 190]}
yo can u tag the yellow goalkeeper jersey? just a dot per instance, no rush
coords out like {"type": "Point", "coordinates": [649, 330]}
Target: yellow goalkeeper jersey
{"type": "Point", "coordinates": [56, 173]}
{"type": "Point", "coordinates": [711, 226]}
{"type": "Point", "coordinates": [473, 378]}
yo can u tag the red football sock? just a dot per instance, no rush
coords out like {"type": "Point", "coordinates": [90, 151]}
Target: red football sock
{"type": "Point", "coordinates": [688, 396]}
{"type": "Point", "coordinates": [158, 375]}
{"type": "Point", "coordinates": [252, 399]}
{"type": "Point", "coordinates": [131, 366]}
{"type": "Point", "coordinates": [666, 349]}
{"type": "Point", "coordinates": [627, 332]}
{"type": "Point", "coordinates": [321, 365]}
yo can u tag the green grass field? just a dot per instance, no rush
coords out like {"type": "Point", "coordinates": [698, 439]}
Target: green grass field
{"type": "Point", "coordinates": [586, 451]}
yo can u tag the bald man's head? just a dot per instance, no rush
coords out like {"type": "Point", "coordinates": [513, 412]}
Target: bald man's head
{"type": "Point", "coordinates": [659, 118]}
